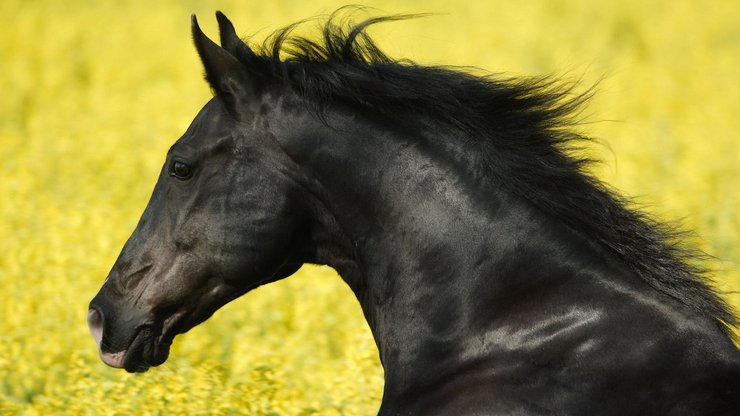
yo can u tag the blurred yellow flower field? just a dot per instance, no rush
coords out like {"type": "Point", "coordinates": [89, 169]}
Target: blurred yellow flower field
{"type": "Point", "coordinates": [94, 92]}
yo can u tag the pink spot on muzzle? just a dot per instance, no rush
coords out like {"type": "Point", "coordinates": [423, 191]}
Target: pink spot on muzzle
{"type": "Point", "coordinates": [95, 324]}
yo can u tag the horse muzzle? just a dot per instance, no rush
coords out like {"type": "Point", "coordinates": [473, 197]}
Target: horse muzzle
{"type": "Point", "coordinates": [145, 347]}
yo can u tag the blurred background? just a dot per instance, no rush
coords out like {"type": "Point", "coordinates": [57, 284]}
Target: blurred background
{"type": "Point", "coordinates": [92, 94]}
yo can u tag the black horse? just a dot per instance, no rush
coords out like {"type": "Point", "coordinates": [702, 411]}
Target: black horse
{"type": "Point", "coordinates": [497, 277]}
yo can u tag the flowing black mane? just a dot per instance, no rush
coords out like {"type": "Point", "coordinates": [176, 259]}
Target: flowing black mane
{"type": "Point", "coordinates": [524, 126]}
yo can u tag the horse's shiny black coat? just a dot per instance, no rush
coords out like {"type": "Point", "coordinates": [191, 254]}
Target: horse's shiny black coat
{"type": "Point", "coordinates": [496, 277]}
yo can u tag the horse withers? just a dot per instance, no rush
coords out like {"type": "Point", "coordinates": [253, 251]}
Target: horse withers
{"type": "Point", "coordinates": [497, 276]}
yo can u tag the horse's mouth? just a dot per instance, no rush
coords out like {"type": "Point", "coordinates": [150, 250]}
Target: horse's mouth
{"type": "Point", "coordinates": [143, 352]}
{"type": "Point", "coordinates": [149, 347]}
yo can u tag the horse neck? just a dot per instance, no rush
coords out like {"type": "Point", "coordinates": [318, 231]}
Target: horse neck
{"type": "Point", "coordinates": [423, 242]}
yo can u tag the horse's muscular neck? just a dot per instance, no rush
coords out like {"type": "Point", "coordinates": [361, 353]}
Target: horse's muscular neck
{"type": "Point", "coordinates": [478, 301]}
{"type": "Point", "coordinates": [422, 252]}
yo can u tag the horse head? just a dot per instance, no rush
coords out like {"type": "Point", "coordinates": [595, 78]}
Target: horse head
{"type": "Point", "coordinates": [223, 219]}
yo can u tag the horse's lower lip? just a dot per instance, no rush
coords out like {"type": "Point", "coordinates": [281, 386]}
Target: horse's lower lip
{"type": "Point", "coordinates": [145, 351]}
{"type": "Point", "coordinates": [134, 359]}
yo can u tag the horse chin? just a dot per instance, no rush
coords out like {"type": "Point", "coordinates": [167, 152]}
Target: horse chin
{"type": "Point", "coordinates": [146, 350]}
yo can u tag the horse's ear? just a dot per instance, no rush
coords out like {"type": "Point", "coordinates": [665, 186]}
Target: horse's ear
{"type": "Point", "coordinates": [230, 40]}
{"type": "Point", "coordinates": [227, 76]}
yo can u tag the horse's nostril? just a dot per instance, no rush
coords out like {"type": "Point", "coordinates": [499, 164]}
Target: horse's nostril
{"type": "Point", "coordinates": [95, 324]}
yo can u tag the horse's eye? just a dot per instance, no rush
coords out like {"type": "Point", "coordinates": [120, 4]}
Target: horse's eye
{"type": "Point", "coordinates": [181, 170]}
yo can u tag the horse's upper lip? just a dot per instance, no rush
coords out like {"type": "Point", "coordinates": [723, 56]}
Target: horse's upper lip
{"type": "Point", "coordinates": [114, 360]}
{"type": "Point", "coordinates": [123, 358]}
